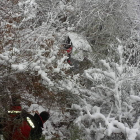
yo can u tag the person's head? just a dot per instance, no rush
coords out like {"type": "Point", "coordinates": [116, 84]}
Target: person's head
{"type": "Point", "coordinates": [16, 99]}
{"type": "Point", "coordinates": [45, 116]}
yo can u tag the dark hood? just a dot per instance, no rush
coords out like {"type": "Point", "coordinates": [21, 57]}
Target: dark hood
{"type": "Point", "coordinates": [38, 119]}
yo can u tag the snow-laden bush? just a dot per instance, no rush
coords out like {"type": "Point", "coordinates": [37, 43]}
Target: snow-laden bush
{"type": "Point", "coordinates": [109, 106]}
{"type": "Point", "coordinates": [29, 8]}
{"type": "Point", "coordinates": [33, 64]}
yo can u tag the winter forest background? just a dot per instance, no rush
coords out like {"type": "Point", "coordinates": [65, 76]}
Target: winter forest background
{"type": "Point", "coordinates": [95, 98]}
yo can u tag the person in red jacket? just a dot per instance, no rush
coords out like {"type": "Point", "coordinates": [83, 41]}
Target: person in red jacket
{"type": "Point", "coordinates": [13, 117]}
{"type": "Point", "coordinates": [31, 127]}
{"type": "Point", "coordinates": [68, 48]}
{"type": "Point", "coordinates": [20, 125]}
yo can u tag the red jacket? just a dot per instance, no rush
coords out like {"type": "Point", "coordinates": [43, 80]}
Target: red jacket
{"type": "Point", "coordinates": [22, 133]}
{"type": "Point", "coordinates": [69, 50]}
{"type": "Point", "coordinates": [14, 114]}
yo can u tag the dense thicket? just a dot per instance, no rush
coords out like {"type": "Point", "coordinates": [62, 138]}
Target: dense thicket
{"type": "Point", "coordinates": [96, 98]}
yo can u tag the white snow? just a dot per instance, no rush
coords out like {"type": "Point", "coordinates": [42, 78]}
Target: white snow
{"type": "Point", "coordinates": [69, 8]}
{"type": "Point", "coordinates": [120, 49]}
{"type": "Point", "coordinates": [135, 98]}
{"type": "Point", "coordinates": [105, 64]}
{"type": "Point", "coordinates": [45, 77]}
{"type": "Point", "coordinates": [30, 9]}
{"type": "Point", "coordinates": [35, 107]}
{"type": "Point", "coordinates": [20, 67]}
